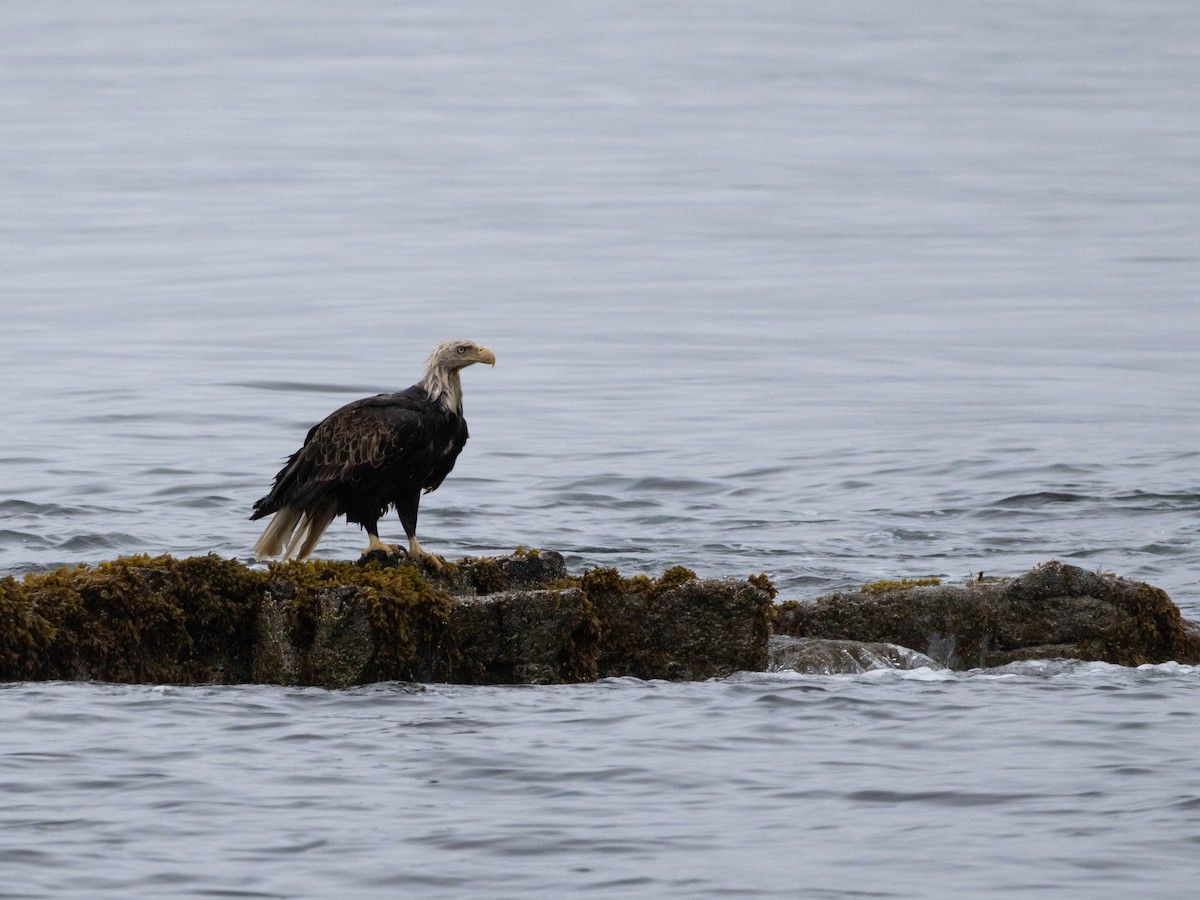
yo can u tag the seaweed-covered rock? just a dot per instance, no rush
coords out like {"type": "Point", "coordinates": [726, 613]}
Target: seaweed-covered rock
{"type": "Point", "coordinates": [326, 639]}
{"type": "Point", "coordinates": [678, 627]}
{"type": "Point", "coordinates": [1052, 611]}
{"type": "Point", "coordinates": [25, 633]}
{"type": "Point", "coordinates": [675, 627]}
{"type": "Point", "coordinates": [339, 624]}
{"type": "Point", "coordinates": [523, 569]}
{"type": "Point", "coordinates": [212, 620]}
{"type": "Point", "coordinates": [479, 575]}
{"type": "Point", "coordinates": [336, 624]}
{"type": "Point", "coordinates": [521, 619]}
{"type": "Point", "coordinates": [134, 619]}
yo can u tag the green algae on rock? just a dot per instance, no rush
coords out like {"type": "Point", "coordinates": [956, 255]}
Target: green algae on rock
{"type": "Point", "coordinates": [337, 624]}
{"type": "Point", "coordinates": [678, 627]}
{"type": "Point", "coordinates": [135, 619]}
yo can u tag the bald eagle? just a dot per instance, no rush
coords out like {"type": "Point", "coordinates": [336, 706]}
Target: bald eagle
{"type": "Point", "coordinates": [370, 455]}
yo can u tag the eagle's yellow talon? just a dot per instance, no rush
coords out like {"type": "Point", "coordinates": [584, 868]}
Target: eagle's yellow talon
{"type": "Point", "coordinates": [377, 544]}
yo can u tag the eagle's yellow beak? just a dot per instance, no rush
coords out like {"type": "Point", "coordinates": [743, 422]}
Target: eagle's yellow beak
{"type": "Point", "coordinates": [484, 355]}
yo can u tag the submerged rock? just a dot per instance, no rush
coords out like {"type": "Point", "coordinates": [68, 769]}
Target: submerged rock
{"type": "Point", "coordinates": [1054, 610]}
{"type": "Point", "coordinates": [823, 656]}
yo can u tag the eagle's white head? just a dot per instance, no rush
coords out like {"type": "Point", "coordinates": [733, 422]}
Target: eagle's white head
{"type": "Point", "coordinates": [440, 378]}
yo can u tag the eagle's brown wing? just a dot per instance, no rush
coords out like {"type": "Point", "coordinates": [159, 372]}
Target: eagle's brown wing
{"type": "Point", "coordinates": [350, 446]}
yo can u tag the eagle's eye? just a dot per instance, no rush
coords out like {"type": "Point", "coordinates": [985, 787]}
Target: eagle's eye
{"type": "Point", "coordinates": [462, 348]}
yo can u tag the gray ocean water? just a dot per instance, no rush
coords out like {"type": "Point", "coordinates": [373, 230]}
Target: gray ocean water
{"type": "Point", "coordinates": [832, 291]}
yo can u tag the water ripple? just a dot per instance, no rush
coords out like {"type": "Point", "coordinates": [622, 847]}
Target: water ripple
{"type": "Point", "coordinates": [364, 787]}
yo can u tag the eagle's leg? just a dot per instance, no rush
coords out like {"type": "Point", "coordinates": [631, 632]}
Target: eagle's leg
{"type": "Point", "coordinates": [417, 552]}
{"type": "Point", "coordinates": [408, 518]}
{"type": "Point", "coordinates": [375, 543]}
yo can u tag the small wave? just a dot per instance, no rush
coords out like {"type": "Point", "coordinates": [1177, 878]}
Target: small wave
{"type": "Point", "coordinates": [1041, 498]}
{"type": "Point", "coordinates": [26, 508]}
{"type": "Point", "coordinates": [656, 520]}
{"type": "Point", "coordinates": [941, 798]}
{"type": "Point", "coordinates": [1079, 668]}
{"type": "Point", "coordinates": [97, 541]}
{"type": "Point", "coordinates": [305, 387]}
{"type": "Point", "coordinates": [792, 677]}
{"type": "Point", "coordinates": [1160, 549]}
{"type": "Point", "coordinates": [680, 485]}
{"type": "Point", "coordinates": [30, 510]}
{"type": "Point", "coordinates": [122, 417]}
{"type": "Point", "coordinates": [1133, 500]}
{"type": "Point", "coordinates": [194, 496]}
{"type": "Point", "coordinates": [1033, 669]}
{"type": "Point", "coordinates": [1151, 500]}
{"type": "Point", "coordinates": [760, 472]}
{"type": "Point", "coordinates": [10, 537]}
{"type": "Point", "coordinates": [648, 483]}
{"type": "Point", "coordinates": [921, 673]}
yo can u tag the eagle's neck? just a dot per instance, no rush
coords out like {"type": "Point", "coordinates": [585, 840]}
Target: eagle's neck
{"type": "Point", "coordinates": [445, 387]}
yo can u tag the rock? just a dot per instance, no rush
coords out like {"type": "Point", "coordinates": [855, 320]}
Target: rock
{"type": "Point", "coordinates": [333, 648]}
{"type": "Point", "coordinates": [522, 619]}
{"type": "Point", "coordinates": [479, 575]}
{"type": "Point", "coordinates": [679, 627]}
{"type": "Point", "coordinates": [822, 656]}
{"type": "Point", "coordinates": [524, 569]}
{"type": "Point", "coordinates": [525, 637]}
{"type": "Point", "coordinates": [1054, 610]}
{"type": "Point", "coordinates": [138, 619]}
{"type": "Point", "coordinates": [336, 624]}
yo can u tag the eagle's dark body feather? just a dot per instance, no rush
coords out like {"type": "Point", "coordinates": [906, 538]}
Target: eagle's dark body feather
{"type": "Point", "coordinates": [370, 455]}
{"type": "Point", "coordinates": [359, 461]}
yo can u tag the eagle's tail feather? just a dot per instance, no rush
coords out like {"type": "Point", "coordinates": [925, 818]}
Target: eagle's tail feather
{"type": "Point", "coordinates": [312, 526]}
{"type": "Point", "coordinates": [277, 533]}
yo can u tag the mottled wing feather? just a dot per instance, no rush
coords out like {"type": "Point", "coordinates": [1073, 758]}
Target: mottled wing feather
{"type": "Point", "coordinates": [361, 438]}
{"type": "Point", "coordinates": [351, 445]}
{"type": "Point", "coordinates": [353, 438]}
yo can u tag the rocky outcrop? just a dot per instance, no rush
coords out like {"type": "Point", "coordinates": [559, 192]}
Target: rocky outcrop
{"type": "Point", "coordinates": [523, 619]}
{"type": "Point", "coordinates": [209, 620]}
{"type": "Point", "coordinates": [677, 627]}
{"type": "Point", "coordinates": [1052, 611]}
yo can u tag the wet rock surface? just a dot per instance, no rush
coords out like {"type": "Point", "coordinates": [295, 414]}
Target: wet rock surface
{"type": "Point", "coordinates": [524, 637]}
{"type": "Point", "coordinates": [1052, 611]}
{"type": "Point", "coordinates": [824, 656]}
